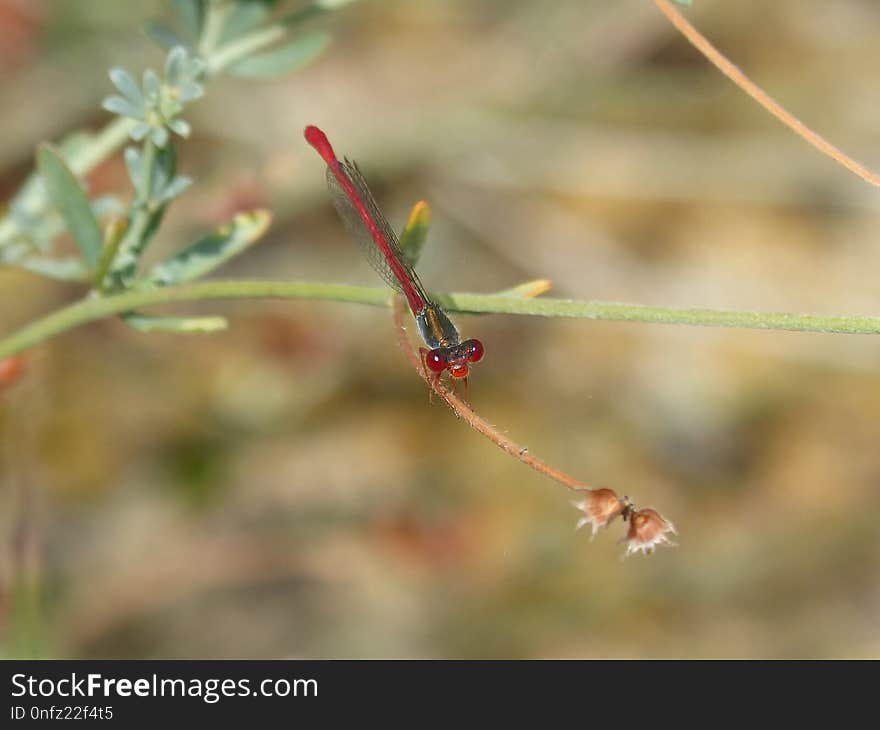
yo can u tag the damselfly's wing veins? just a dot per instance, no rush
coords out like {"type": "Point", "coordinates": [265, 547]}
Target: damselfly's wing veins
{"type": "Point", "coordinates": [361, 215]}
{"type": "Point", "coordinates": [356, 226]}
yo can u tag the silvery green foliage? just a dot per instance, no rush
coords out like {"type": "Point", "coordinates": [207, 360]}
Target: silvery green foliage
{"type": "Point", "coordinates": [161, 186]}
{"type": "Point", "coordinates": [156, 103]}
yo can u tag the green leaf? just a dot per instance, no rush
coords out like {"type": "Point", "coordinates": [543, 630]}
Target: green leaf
{"type": "Point", "coordinates": [177, 325]}
{"type": "Point", "coordinates": [67, 269]}
{"type": "Point", "coordinates": [72, 202]}
{"type": "Point", "coordinates": [162, 35]}
{"type": "Point", "coordinates": [148, 212]}
{"type": "Point", "coordinates": [313, 9]}
{"type": "Point", "coordinates": [213, 250]}
{"type": "Point", "coordinates": [124, 81]}
{"type": "Point", "coordinates": [685, 3]}
{"type": "Point", "coordinates": [246, 16]}
{"type": "Point", "coordinates": [191, 14]}
{"type": "Point", "coordinates": [120, 105]}
{"type": "Point", "coordinates": [174, 65]}
{"type": "Point", "coordinates": [283, 59]}
{"type": "Point", "coordinates": [414, 235]}
{"type": "Point", "coordinates": [332, 4]}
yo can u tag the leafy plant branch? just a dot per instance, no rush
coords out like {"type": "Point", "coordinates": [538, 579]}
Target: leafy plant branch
{"type": "Point", "coordinates": [236, 37]}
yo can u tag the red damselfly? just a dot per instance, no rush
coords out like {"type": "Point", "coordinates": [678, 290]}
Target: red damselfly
{"type": "Point", "coordinates": [361, 215]}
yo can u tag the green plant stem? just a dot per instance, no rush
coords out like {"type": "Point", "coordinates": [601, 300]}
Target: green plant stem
{"type": "Point", "coordinates": [94, 308]}
{"type": "Point", "coordinates": [223, 57]}
{"type": "Point", "coordinates": [242, 47]}
{"type": "Point", "coordinates": [214, 21]}
{"type": "Point", "coordinates": [123, 265]}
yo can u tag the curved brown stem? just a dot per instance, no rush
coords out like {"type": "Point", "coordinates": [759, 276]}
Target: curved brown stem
{"type": "Point", "coordinates": [700, 42]}
{"type": "Point", "coordinates": [647, 528]}
{"type": "Point", "coordinates": [467, 414]}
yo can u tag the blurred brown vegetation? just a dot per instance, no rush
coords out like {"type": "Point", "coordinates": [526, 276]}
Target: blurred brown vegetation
{"type": "Point", "coordinates": [284, 489]}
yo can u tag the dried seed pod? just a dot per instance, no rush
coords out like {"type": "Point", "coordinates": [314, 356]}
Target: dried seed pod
{"type": "Point", "coordinates": [600, 506]}
{"type": "Point", "coordinates": [647, 530]}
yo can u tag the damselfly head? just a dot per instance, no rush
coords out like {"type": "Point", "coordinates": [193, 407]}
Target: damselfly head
{"type": "Point", "coordinates": [455, 359]}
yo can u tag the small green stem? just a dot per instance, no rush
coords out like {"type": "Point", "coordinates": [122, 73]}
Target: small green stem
{"type": "Point", "coordinates": [124, 264]}
{"type": "Point", "coordinates": [622, 312]}
{"type": "Point", "coordinates": [242, 47]}
{"type": "Point", "coordinates": [222, 58]}
{"type": "Point", "coordinates": [94, 308]}
{"type": "Point", "coordinates": [218, 12]}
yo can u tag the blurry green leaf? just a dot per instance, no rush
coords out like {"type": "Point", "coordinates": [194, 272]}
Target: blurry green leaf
{"type": "Point", "coordinates": [283, 59]}
{"type": "Point", "coordinates": [72, 202]}
{"type": "Point", "coordinates": [314, 8]}
{"type": "Point", "coordinates": [174, 65]}
{"type": "Point", "coordinates": [67, 269]}
{"type": "Point", "coordinates": [11, 253]}
{"type": "Point", "coordinates": [107, 205]}
{"type": "Point", "coordinates": [159, 136]}
{"type": "Point", "coordinates": [165, 185]}
{"type": "Point", "coordinates": [162, 35]}
{"type": "Point", "coordinates": [180, 127]}
{"type": "Point", "coordinates": [180, 325]}
{"type": "Point", "coordinates": [134, 163]}
{"type": "Point", "coordinates": [149, 211]}
{"type": "Point", "coordinates": [246, 16]}
{"type": "Point", "coordinates": [685, 3]}
{"type": "Point", "coordinates": [333, 4]}
{"type": "Point", "coordinates": [183, 67]}
{"type": "Point", "coordinates": [152, 85]}
{"type": "Point", "coordinates": [191, 91]}
{"type": "Point", "coordinates": [119, 105]}
{"type": "Point", "coordinates": [191, 14]}
{"type": "Point", "coordinates": [414, 235]}
{"type": "Point", "coordinates": [126, 84]}
{"type": "Point", "coordinates": [174, 188]}
{"type": "Point", "coordinates": [213, 250]}
{"type": "Point", "coordinates": [35, 230]}
{"type": "Point", "coordinates": [140, 130]}
{"type": "Point", "coordinates": [164, 171]}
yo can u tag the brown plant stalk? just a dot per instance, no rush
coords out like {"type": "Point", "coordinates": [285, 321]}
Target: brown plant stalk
{"type": "Point", "coordinates": [647, 528]}
{"type": "Point", "coordinates": [735, 74]}
{"type": "Point", "coordinates": [467, 414]}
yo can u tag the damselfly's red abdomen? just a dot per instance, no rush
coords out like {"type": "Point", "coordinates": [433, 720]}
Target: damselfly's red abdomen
{"type": "Point", "coordinates": [358, 209]}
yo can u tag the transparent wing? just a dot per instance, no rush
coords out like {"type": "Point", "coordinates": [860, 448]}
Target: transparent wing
{"type": "Point", "coordinates": [355, 225]}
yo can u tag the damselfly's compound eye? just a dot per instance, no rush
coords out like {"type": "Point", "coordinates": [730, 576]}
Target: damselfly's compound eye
{"type": "Point", "coordinates": [474, 348]}
{"type": "Point", "coordinates": [436, 361]}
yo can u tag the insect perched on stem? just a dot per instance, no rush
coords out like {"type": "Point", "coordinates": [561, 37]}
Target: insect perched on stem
{"type": "Point", "coordinates": [361, 215]}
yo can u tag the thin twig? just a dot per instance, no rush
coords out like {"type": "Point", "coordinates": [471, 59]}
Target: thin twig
{"type": "Point", "coordinates": [93, 308]}
{"type": "Point", "coordinates": [469, 416]}
{"type": "Point", "coordinates": [648, 528]}
{"type": "Point", "coordinates": [736, 75]}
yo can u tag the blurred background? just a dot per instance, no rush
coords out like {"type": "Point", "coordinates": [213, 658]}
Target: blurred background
{"type": "Point", "coordinates": [284, 488]}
